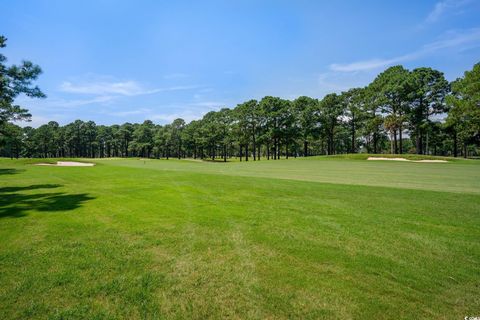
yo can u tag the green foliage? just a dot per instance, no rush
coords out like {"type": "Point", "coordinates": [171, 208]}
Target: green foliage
{"type": "Point", "coordinates": [464, 117]}
{"type": "Point", "coordinates": [15, 80]}
{"type": "Point", "coordinates": [428, 89]}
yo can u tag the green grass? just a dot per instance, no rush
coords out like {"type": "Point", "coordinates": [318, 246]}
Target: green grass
{"type": "Point", "coordinates": [300, 238]}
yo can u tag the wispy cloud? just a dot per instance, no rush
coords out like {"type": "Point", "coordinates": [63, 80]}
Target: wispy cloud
{"type": "Point", "coordinates": [208, 104]}
{"type": "Point", "coordinates": [169, 117]}
{"type": "Point", "coordinates": [126, 88]}
{"type": "Point", "coordinates": [56, 103]}
{"type": "Point", "coordinates": [80, 102]}
{"type": "Point", "coordinates": [35, 121]}
{"type": "Point", "coordinates": [444, 7]}
{"type": "Point", "coordinates": [460, 40]}
{"type": "Point", "coordinates": [167, 113]}
{"type": "Point", "coordinates": [365, 65]}
{"type": "Point", "coordinates": [130, 112]}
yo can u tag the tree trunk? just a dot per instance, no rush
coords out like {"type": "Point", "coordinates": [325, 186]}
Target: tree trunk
{"type": "Point", "coordinates": [353, 135]}
{"type": "Point", "coordinates": [246, 152]}
{"type": "Point", "coordinates": [418, 142]}
{"type": "Point", "coordinates": [305, 148]}
{"type": "Point", "coordinates": [274, 149]}
{"type": "Point", "coordinates": [426, 144]}
{"type": "Point", "coordinates": [254, 147]}
{"type": "Point", "coordinates": [455, 144]}
{"type": "Point", "coordinates": [395, 141]}
{"type": "Point", "coordinates": [401, 139]}
{"type": "Point", "coordinates": [392, 147]}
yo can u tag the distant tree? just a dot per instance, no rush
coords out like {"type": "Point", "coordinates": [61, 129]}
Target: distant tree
{"type": "Point", "coordinates": [189, 138]}
{"type": "Point", "coordinates": [354, 101]}
{"type": "Point", "coordinates": [331, 108]}
{"type": "Point", "coordinates": [248, 119]}
{"type": "Point", "coordinates": [212, 133]}
{"type": "Point", "coordinates": [390, 92]}
{"type": "Point", "coordinates": [427, 91]}
{"type": "Point", "coordinates": [125, 135]}
{"type": "Point", "coordinates": [11, 143]}
{"type": "Point", "coordinates": [106, 141]}
{"type": "Point", "coordinates": [288, 121]}
{"type": "Point", "coordinates": [163, 141]}
{"type": "Point", "coordinates": [46, 140]}
{"type": "Point", "coordinates": [178, 125]}
{"type": "Point", "coordinates": [75, 138]}
{"type": "Point", "coordinates": [28, 142]}
{"type": "Point", "coordinates": [304, 108]}
{"type": "Point", "coordinates": [143, 139]}
{"type": "Point", "coordinates": [464, 116]}
{"type": "Point", "coordinates": [224, 121]}
{"type": "Point", "coordinates": [272, 109]}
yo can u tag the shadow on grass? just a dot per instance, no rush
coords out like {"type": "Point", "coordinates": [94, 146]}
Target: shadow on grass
{"type": "Point", "coordinates": [9, 171]}
{"type": "Point", "coordinates": [14, 203]}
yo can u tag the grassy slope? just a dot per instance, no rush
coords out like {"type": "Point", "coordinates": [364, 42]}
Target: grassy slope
{"type": "Point", "coordinates": [177, 239]}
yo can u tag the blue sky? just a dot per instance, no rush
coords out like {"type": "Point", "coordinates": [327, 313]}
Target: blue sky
{"type": "Point", "coordinates": [127, 61]}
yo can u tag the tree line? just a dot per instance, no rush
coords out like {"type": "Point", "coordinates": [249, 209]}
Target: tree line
{"type": "Point", "coordinates": [401, 111]}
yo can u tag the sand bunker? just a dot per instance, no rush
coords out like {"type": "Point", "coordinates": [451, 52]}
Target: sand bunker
{"type": "Point", "coordinates": [67, 164]}
{"type": "Point", "coordinates": [388, 159]}
{"type": "Point", "coordinates": [431, 161]}
{"type": "Point", "coordinates": [403, 159]}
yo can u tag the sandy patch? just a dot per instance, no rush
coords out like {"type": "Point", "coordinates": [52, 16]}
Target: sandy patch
{"type": "Point", "coordinates": [403, 159]}
{"type": "Point", "coordinates": [387, 159]}
{"type": "Point", "coordinates": [431, 161]}
{"type": "Point", "coordinates": [112, 158]}
{"type": "Point", "coordinates": [67, 164]}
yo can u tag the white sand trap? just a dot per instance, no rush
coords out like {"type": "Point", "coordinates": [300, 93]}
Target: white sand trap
{"type": "Point", "coordinates": [403, 159]}
{"type": "Point", "coordinates": [387, 159]}
{"type": "Point", "coordinates": [431, 161]}
{"type": "Point", "coordinates": [67, 164]}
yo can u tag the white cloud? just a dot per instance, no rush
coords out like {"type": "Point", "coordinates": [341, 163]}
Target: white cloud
{"type": "Point", "coordinates": [36, 121]}
{"type": "Point", "coordinates": [365, 65]}
{"type": "Point", "coordinates": [460, 40]}
{"type": "Point", "coordinates": [126, 88]}
{"type": "Point", "coordinates": [169, 117]}
{"type": "Point", "coordinates": [55, 103]}
{"type": "Point", "coordinates": [80, 102]}
{"type": "Point", "coordinates": [188, 111]}
{"type": "Point", "coordinates": [130, 112]}
{"type": "Point", "coordinates": [453, 39]}
{"type": "Point", "coordinates": [209, 104]}
{"type": "Point", "coordinates": [444, 7]}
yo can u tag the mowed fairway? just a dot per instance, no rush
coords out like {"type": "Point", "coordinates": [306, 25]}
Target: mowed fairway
{"type": "Point", "coordinates": [298, 238]}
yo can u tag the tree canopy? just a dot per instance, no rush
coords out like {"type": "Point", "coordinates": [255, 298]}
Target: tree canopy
{"type": "Point", "coordinates": [16, 80]}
